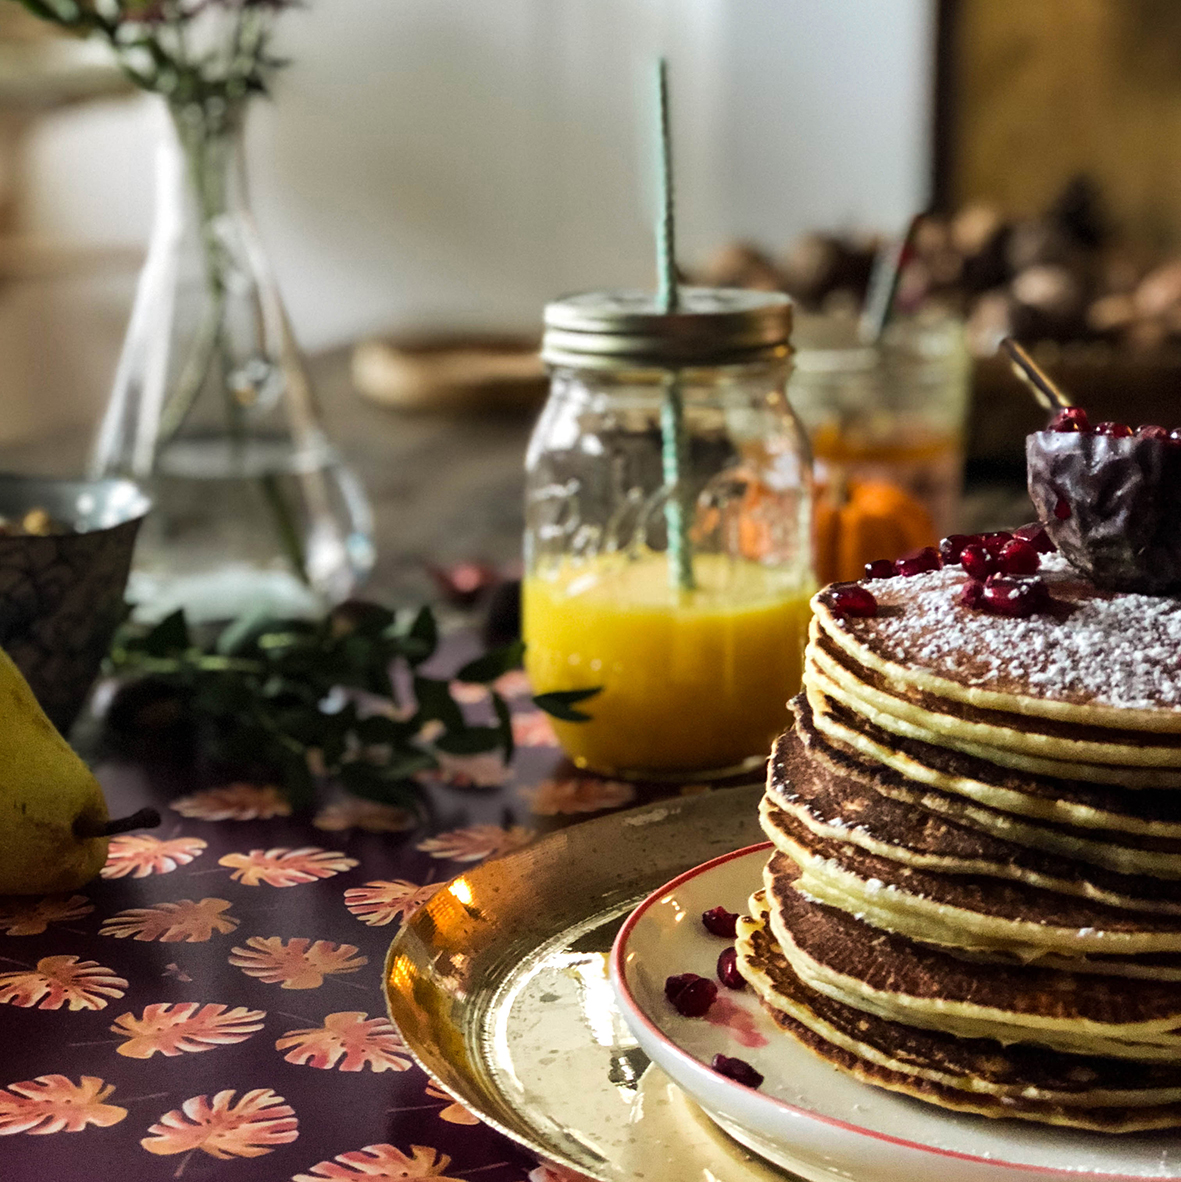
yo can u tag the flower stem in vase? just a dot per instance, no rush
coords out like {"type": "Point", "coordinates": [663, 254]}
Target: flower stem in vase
{"type": "Point", "coordinates": [673, 444]}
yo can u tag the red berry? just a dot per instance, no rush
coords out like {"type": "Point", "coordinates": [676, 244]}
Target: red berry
{"type": "Point", "coordinates": [720, 921]}
{"type": "Point", "coordinates": [728, 972]}
{"type": "Point", "coordinates": [1008, 595]}
{"type": "Point", "coordinates": [953, 545]}
{"type": "Point", "coordinates": [1116, 430]}
{"type": "Point", "coordinates": [736, 1069]}
{"type": "Point", "coordinates": [1062, 509]}
{"type": "Point", "coordinates": [849, 599]}
{"type": "Point", "coordinates": [690, 994]}
{"type": "Point", "coordinates": [1073, 418]}
{"type": "Point", "coordinates": [1035, 534]}
{"type": "Point", "coordinates": [880, 568]}
{"type": "Point", "coordinates": [996, 541]}
{"type": "Point", "coordinates": [977, 562]}
{"type": "Point", "coordinates": [972, 593]}
{"type": "Point", "coordinates": [1151, 431]}
{"type": "Point", "coordinates": [918, 563]}
{"type": "Point", "coordinates": [1019, 557]}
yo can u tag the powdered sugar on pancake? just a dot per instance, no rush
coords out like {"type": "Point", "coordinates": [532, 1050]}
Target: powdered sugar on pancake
{"type": "Point", "coordinates": [1111, 649]}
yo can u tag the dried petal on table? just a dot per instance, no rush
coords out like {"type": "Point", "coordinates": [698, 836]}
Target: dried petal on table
{"type": "Point", "coordinates": [348, 1041]}
{"type": "Point", "coordinates": [224, 1129]}
{"type": "Point", "coordinates": [187, 1026]}
{"type": "Point", "coordinates": [382, 1161]}
{"type": "Point", "coordinates": [234, 802]}
{"type": "Point", "coordinates": [194, 923]}
{"type": "Point", "coordinates": [56, 980]}
{"type": "Point", "coordinates": [30, 917]}
{"type": "Point", "coordinates": [297, 963]}
{"type": "Point", "coordinates": [55, 1104]}
{"type": "Point", "coordinates": [381, 902]}
{"type": "Point", "coordinates": [283, 867]}
{"type": "Point", "coordinates": [476, 842]}
{"type": "Point", "coordinates": [139, 855]}
{"type": "Point", "coordinates": [454, 1113]}
{"type": "Point", "coordinates": [578, 794]}
{"type": "Point", "coordinates": [370, 815]}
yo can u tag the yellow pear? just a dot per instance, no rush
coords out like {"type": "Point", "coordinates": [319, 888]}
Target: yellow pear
{"type": "Point", "coordinates": [52, 813]}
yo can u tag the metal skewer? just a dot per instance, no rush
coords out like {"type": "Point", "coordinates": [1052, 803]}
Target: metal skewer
{"type": "Point", "coordinates": [1049, 395]}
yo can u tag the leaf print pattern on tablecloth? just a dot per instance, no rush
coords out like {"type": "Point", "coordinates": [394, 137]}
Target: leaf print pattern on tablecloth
{"type": "Point", "coordinates": [484, 770]}
{"type": "Point", "coordinates": [234, 802]}
{"type": "Point", "coordinates": [577, 794]}
{"type": "Point", "coordinates": [476, 842]}
{"type": "Point", "coordinates": [140, 854]}
{"type": "Point", "coordinates": [194, 923]}
{"type": "Point", "coordinates": [453, 1113]}
{"type": "Point", "coordinates": [382, 1162]}
{"type": "Point", "coordinates": [381, 902]}
{"type": "Point", "coordinates": [84, 984]}
{"type": "Point", "coordinates": [295, 964]}
{"type": "Point", "coordinates": [347, 1041]}
{"type": "Point", "coordinates": [30, 917]}
{"type": "Point", "coordinates": [224, 1129]}
{"type": "Point", "coordinates": [170, 1030]}
{"type": "Point", "coordinates": [358, 813]}
{"type": "Point", "coordinates": [283, 867]}
{"type": "Point", "coordinates": [533, 729]}
{"type": "Point", "coordinates": [55, 1104]}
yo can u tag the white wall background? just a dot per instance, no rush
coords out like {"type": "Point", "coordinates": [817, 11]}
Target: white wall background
{"type": "Point", "coordinates": [458, 162]}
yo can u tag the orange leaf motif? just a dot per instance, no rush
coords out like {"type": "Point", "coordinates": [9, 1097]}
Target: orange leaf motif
{"type": "Point", "coordinates": [54, 1104]}
{"type": "Point", "coordinates": [139, 854]}
{"type": "Point", "coordinates": [370, 815]}
{"type": "Point", "coordinates": [187, 1026]}
{"type": "Point", "coordinates": [234, 802]}
{"type": "Point", "coordinates": [346, 1041]}
{"type": "Point", "coordinates": [381, 902]}
{"type": "Point", "coordinates": [57, 979]}
{"type": "Point", "coordinates": [532, 728]}
{"type": "Point", "coordinates": [30, 917]}
{"type": "Point", "coordinates": [295, 964]}
{"type": "Point", "coordinates": [169, 922]}
{"type": "Point", "coordinates": [381, 1161]}
{"type": "Point", "coordinates": [223, 1129]}
{"type": "Point", "coordinates": [577, 795]}
{"type": "Point", "coordinates": [284, 867]}
{"type": "Point", "coordinates": [454, 1113]}
{"type": "Point", "coordinates": [476, 842]}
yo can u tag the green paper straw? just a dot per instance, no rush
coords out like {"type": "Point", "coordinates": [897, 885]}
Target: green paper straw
{"type": "Point", "coordinates": [673, 444]}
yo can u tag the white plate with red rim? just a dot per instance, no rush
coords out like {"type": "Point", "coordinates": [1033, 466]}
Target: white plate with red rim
{"type": "Point", "coordinates": [807, 1116]}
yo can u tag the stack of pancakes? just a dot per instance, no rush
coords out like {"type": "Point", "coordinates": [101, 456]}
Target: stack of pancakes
{"type": "Point", "coordinates": [975, 892]}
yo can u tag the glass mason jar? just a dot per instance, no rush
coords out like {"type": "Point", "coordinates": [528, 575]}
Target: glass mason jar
{"type": "Point", "coordinates": [212, 410]}
{"type": "Point", "coordinates": [693, 680]}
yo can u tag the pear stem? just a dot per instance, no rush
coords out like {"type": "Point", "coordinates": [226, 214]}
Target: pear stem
{"type": "Point", "coordinates": [147, 818]}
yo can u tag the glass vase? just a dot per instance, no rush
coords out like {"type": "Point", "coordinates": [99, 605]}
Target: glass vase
{"type": "Point", "coordinates": [213, 412]}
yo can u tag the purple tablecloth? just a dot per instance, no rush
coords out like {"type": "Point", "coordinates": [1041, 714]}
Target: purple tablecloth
{"type": "Point", "coordinates": [212, 1008]}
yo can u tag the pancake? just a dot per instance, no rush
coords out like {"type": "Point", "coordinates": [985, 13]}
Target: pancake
{"type": "Point", "coordinates": [892, 977]}
{"type": "Point", "coordinates": [839, 807]}
{"type": "Point", "coordinates": [1105, 659]}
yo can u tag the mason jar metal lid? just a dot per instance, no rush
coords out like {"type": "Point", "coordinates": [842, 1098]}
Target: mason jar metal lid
{"type": "Point", "coordinates": [712, 326]}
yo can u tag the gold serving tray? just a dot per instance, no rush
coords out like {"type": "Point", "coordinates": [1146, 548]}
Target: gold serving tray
{"type": "Point", "coordinates": [499, 987]}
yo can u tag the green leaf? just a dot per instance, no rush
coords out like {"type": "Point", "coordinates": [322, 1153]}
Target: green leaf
{"type": "Point", "coordinates": [560, 703]}
{"type": "Point", "coordinates": [435, 701]}
{"type": "Point", "coordinates": [169, 636]}
{"type": "Point", "coordinates": [420, 640]}
{"type": "Point", "coordinates": [492, 665]}
{"type": "Point", "coordinates": [472, 740]}
{"type": "Point", "coordinates": [237, 636]}
{"type": "Point", "coordinates": [379, 729]}
{"type": "Point", "coordinates": [505, 718]}
{"type": "Point", "coordinates": [364, 780]}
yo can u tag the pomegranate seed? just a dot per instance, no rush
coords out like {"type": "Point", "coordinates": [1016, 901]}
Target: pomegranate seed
{"type": "Point", "coordinates": [995, 542]}
{"type": "Point", "coordinates": [1019, 557]}
{"type": "Point", "coordinates": [953, 545]}
{"type": "Point", "coordinates": [1062, 509]}
{"type": "Point", "coordinates": [848, 599]}
{"type": "Point", "coordinates": [977, 562]}
{"type": "Point", "coordinates": [1175, 435]}
{"type": "Point", "coordinates": [721, 922]}
{"type": "Point", "coordinates": [880, 568]}
{"type": "Point", "coordinates": [728, 972]}
{"type": "Point", "coordinates": [1151, 431]}
{"type": "Point", "coordinates": [1116, 430]}
{"type": "Point", "coordinates": [690, 994]}
{"type": "Point", "coordinates": [1006, 595]}
{"type": "Point", "coordinates": [918, 563]}
{"type": "Point", "coordinates": [1073, 418]}
{"type": "Point", "coordinates": [1035, 534]}
{"type": "Point", "coordinates": [972, 593]}
{"type": "Point", "coordinates": [738, 1070]}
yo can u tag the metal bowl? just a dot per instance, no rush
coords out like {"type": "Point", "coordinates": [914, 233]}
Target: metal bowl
{"type": "Point", "coordinates": [61, 595]}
